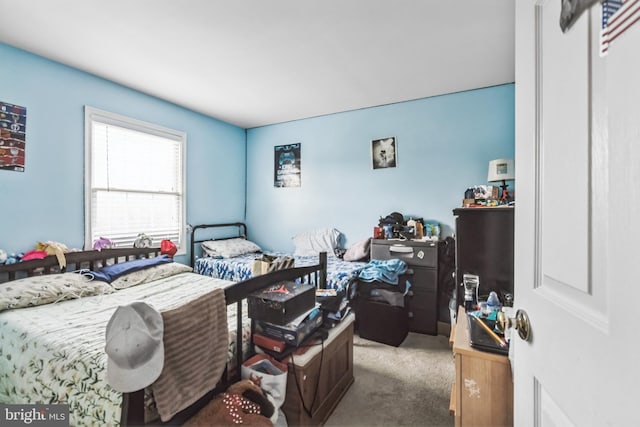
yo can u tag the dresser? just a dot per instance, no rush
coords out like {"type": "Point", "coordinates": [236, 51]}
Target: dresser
{"type": "Point", "coordinates": [484, 247]}
{"type": "Point", "coordinates": [319, 378]}
{"type": "Point", "coordinates": [422, 258]}
{"type": "Point", "coordinates": [483, 391]}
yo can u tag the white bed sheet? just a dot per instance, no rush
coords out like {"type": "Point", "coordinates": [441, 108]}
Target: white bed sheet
{"type": "Point", "coordinates": [54, 353]}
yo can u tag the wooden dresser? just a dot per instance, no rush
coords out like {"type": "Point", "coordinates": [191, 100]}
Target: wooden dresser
{"type": "Point", "coordinates": [318, 380]}
{"type": "Point", "coordinates": [482, 394]}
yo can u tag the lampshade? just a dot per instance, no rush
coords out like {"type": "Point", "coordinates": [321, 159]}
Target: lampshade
{"type": "Point", "coordinates": [501, 170]}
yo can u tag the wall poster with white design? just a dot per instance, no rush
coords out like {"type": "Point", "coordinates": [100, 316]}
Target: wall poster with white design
{"type": "Point", "coordinates": [384, 153]}
{"type": "Point", "coordinates": [13, 124]}
{"type": "Point", "coordinates": [286, 165]}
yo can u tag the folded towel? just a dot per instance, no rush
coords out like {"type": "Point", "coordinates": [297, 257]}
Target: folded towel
{"type": "Point", "coordinates": [387, 271]}
{"type": "Point", "coordinates": [195, 353]}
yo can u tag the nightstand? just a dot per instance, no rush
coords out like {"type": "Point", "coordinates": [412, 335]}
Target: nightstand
{"type": "Point", "coordinates": [483, 391]}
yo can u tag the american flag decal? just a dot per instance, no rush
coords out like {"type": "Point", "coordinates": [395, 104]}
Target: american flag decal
{"type": "Point", "coordinates": [617, 16]}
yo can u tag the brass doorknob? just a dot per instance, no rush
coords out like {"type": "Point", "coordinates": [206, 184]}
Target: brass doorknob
{"type": "Point", "coordinates": [520, 323]}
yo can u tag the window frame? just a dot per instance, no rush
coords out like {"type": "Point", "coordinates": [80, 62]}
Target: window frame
{"type": "Point", "coordinates": [92, 114]}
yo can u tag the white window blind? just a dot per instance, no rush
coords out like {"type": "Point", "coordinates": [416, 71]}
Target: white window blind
{"type": "Point", "coordinates": [134, 179]}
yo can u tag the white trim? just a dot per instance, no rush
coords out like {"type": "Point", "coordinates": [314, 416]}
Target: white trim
{"type": "Point", "coordinates": [93, 114]}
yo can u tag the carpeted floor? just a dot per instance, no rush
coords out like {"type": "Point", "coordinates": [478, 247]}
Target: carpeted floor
{"type": "Point", "coordinates": [409, 385]}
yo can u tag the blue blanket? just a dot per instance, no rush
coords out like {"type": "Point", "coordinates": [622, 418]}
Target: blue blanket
{"type": "Point", "coordinates": [387, 271]}
{"type": "Point", "coordinates": [112, 272]}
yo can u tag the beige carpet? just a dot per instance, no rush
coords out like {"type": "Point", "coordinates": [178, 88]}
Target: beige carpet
{"type": "Point", "coordinates": [409, 385]}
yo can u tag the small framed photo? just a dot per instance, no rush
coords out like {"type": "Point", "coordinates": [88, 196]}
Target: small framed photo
{"type": "Point", "coordinates": [384, 153]}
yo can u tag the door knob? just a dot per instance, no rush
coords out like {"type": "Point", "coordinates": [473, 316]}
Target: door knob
{"type": "Point", "coordinates": [520, 323]}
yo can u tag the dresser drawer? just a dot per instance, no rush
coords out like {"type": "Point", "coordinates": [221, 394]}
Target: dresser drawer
{"type": "Point", "coordinates": [424, 280]}
{"type": "Point", "coordinates": [423, 309]}
{"type": "Point", "coordinates": [422, 254]}
{"type": "Point", "coordinates": [424, 321]}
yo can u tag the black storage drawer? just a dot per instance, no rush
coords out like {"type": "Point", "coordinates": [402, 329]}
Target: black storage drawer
{"type": "Point", "coordinates": [422, 259]}
{"type": "Point", "coordinates": [424, 322]}
{"type": "Point", "coordinates": [423, 317]}
{"type": "Point", "coordinates": [424, 280]}
{"type": "Point", "coordinates": [383, 323]}
{"type": "Point", "coordinates": [421, 254]}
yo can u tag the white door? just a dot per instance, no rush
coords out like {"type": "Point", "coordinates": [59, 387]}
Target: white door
{"type": "Point", "coordinates": [577, 221]}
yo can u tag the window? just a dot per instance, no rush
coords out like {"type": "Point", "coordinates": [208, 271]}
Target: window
{"type": "Point", "coordinates": [134, 180]}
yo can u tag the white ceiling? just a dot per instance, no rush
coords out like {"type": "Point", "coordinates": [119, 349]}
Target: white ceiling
{"type": "Point", "coordinates": [259, 62]}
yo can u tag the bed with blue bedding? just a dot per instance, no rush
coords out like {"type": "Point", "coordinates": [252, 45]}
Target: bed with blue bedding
{"type": "Point", "coordinates": [238, 268]}
{"type": "Point", "coordinates": [234, 262]}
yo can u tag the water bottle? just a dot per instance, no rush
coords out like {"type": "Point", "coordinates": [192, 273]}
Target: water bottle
{"type": "Point", "coordinates": [493, 303]}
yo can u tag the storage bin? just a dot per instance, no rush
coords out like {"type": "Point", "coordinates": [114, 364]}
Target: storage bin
{"type": "Point", "coordinates": [281, 303]}
{"type": "Point", "coordinates": [382, 322]}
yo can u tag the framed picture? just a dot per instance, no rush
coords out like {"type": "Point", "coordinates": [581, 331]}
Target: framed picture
{"type": "Point", "coordinates": [384, 153]}
{"type": "Point", "coordinates": [13, 131]}
{"type": "Point", "coordinates": [287, 165]}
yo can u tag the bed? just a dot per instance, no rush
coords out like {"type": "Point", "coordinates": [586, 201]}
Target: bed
{"type": "Point", "coordinates": [55, 352]}
{"type": "Point", "coordinates": [239, 267]}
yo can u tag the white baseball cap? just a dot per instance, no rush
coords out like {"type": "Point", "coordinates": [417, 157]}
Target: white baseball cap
{"type": "Point", "coordinates": [134, 347]}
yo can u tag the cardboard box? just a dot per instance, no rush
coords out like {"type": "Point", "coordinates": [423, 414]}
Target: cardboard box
{"type": "Point", "coordinates": [268, 263]}
{"type": "Point", "coordinates": [269, 343]}
{"type": "Point", "coordinates": [295, 332]}
{"type": "Point", "coordinates": [281, 303]}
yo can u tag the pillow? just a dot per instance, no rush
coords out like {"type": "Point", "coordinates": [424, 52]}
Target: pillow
{"type": "Point", "coordinates": [357, 251]}
{"type": "Point", "coordinates": [149, 274]}
{"type": "Point", "coordinates": [310, 243]}
{"type": "Point", "coordinates": [228, 248]}
{"type": "Point", "coordinates": [39, 290]}
{"type": "Point", "coordinates": [112, 272]}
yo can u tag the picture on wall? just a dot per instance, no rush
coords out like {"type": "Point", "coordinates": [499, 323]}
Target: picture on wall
{"type": "Point", "coordinates": [384, 153]}
{"type": "Point", "coordinates": [286, 167]}
{"type": "Point", "coordinates": [13, 122]}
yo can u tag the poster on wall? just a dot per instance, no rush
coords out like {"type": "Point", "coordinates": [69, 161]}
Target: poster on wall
{"type": "Point", "coordinates": [286, 165]}
{"type": "Point", "coordinates": [13, 122]}
{"type": "Point", "coordinates": [384, 153]}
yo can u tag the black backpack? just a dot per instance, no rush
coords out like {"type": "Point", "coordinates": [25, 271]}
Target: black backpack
{"type": "Point", "coordinates": [394, 218]}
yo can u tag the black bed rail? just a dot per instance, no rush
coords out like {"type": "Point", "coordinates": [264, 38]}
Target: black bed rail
{"type": "Point", "coordinates": [234, 294]}
{"type": "Point", "coordinates": [132, 403]}
{"type": "Point", "coordinates": [242, 232]}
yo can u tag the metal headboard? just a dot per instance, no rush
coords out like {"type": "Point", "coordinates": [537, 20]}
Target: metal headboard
{"type": "Point", "coordinates": [241, 232]}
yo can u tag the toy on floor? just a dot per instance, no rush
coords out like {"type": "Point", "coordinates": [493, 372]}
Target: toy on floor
{"type": "Point", "coordinates": [243, 403]}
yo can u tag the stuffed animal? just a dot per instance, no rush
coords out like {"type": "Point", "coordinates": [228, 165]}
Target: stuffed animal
{"type": "Point", "coordinates": [243, 403]}
{"type": "Point", "coordinates": [142, 241]}
{"type": "Point", "coordinates": [102, 243]}
{"type": "Point", "coordinates": [13, 258]}
{"type": "Point", "coordinates": [54, 248]}
{"type": "Point", "coordinates": [167, 247]}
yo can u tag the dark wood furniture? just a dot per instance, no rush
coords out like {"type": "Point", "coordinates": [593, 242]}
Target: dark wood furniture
{"type": "Point", "coordinates": [133, 403]}
{"type": "Point", "coordinates": [484, 247]}
{"type": "Point", "coordinates": [316, 383]}
{"type": "Point", "coordinates": [422, 258]}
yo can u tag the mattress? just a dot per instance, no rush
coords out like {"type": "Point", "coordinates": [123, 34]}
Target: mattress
{"type": "Point", "coordinates": [54, 353]}
{"type": "Point", "coordinates": [237, 269]}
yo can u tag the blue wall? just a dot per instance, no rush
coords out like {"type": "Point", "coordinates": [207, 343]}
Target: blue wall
{"type": "Point", "coordinates": [444, 146]}
{"type": "Point", "coordinates": [45, 202]}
